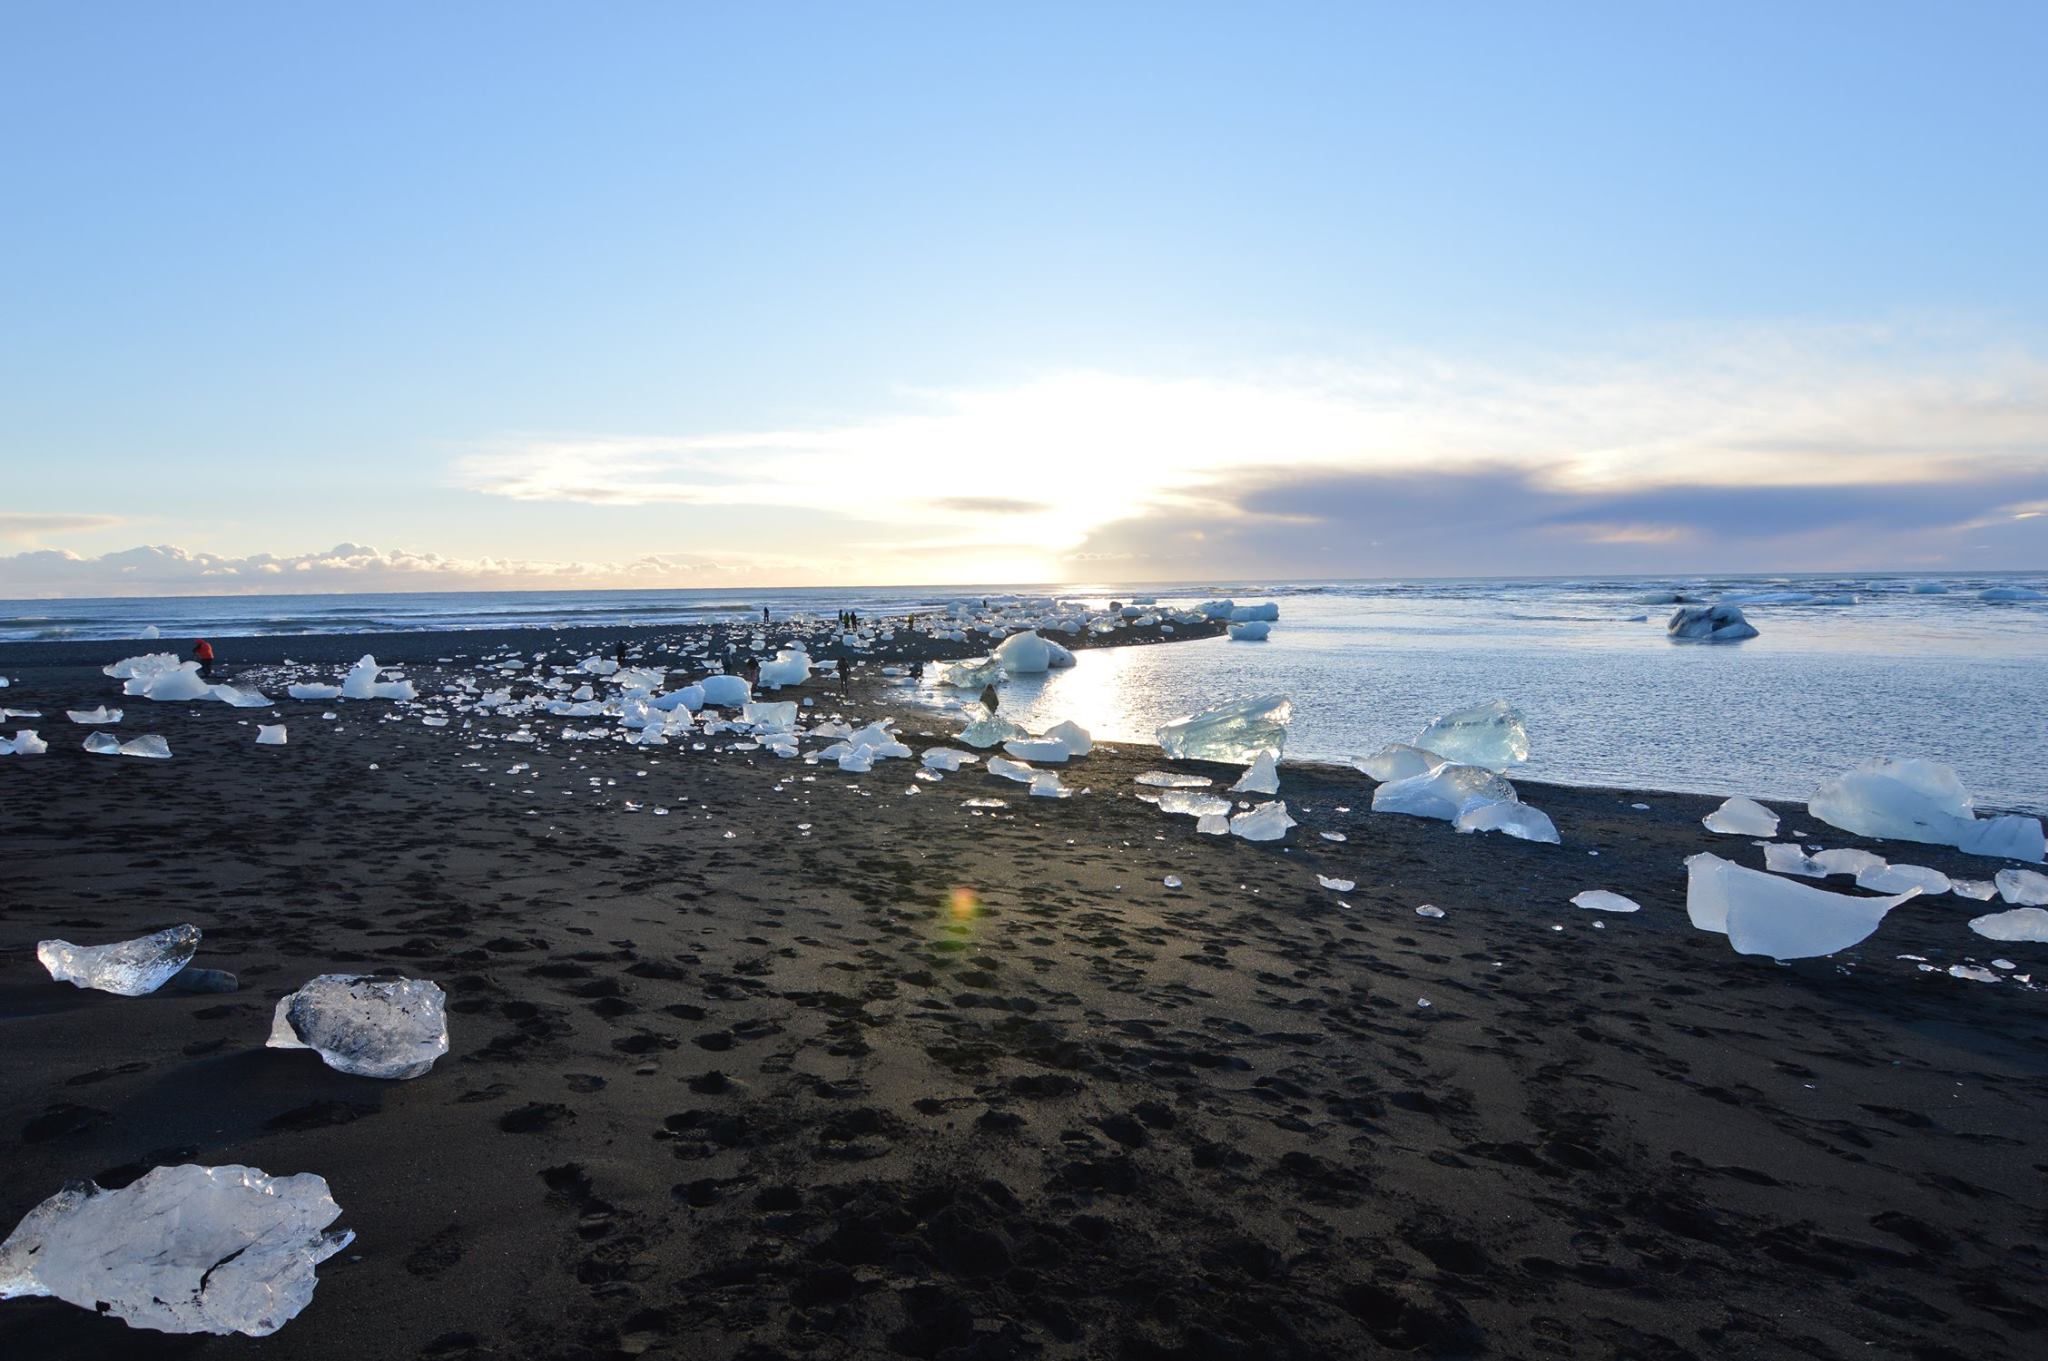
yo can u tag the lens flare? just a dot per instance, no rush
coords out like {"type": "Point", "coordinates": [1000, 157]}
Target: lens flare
{"type": "Point", "coordinates": [963, 903]}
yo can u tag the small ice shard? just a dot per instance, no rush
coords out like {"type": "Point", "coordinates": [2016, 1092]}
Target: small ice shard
{"type": "Point", "coordinates": [270, 734]}
{"type": "Point", "coordinates": [1193, 803]}
{"type": "Point", "coordinates": [1709, 624]}
{"type": "Point", "coordinates": [1785, 858]}
{"type": "Point", "coordinates": [1011, 770]}
{"type": "Point", "coordinates": [1397, 761]}
{"type": "Point", "coordinates": [1232, 732]}
{"type": "Point", "coordinates": [1262, 776]}
{"type": "Point", "coordinates": [103, 744]}
{"type": "Point", "coordinates": [2023, 887]}
{"type": "Point", "coordinates": [1024, 654]}
{"type": "Point", "coordinates": [1763, 914]}
{"type": "Point", "coordinates": [185, 1249]}
{"type": "Point", "coordinates": [988, 730]}
{"type": "Point", "coordinates": [1167, 779]}
{"type": "Point", "coordinates": [1444, 793]}
{"type": "Point", "coordinates": [1742, 817]}
{"type": "Point", "coordinates": [1846, 860]}
{"type": "Point", "coordinates": [1172, 881]}
{"type": "Point", "coordinates": [313, 690]}
{"type": "Point", "coordinates": [1046, 785]}
{"type": "Point", "coordinates": [984, 803]}
{"type": "Point", "coordinates": [1429, 910]}
{"type": "Point", "coordinates": [1602, 900]}
{"type": "Point", "coordinates": [1213, 824]}
{"type": "Point", "coordinates": [1073, 736]}
{"type": "Point", "coordinates": [89, 717]}
{"type": "Point", "coordinates": [1250, 631]}
{"type": "Point", "coordinates": [1267, 822]}
{"type": "Point", "coordinates": [1983, 890]}
{"type": "Point", "coordinates": [1899, 878]}
{"type": "Point", "coordinates": [150, 746]}
{"type": "Point", "coordinates": [370, 1027]}
{"type": "Point", "coordinates": [1050, 750]}
{"type": "Point", "coordinates": [127, 968]}
{"type": "Point", "coordinates": [1919, 800]}
{"type": "Point", "coordinates": [945, 758]}
{"type": "Point", "coordinates": [2021, 923]}
{"type": "Point", "coordinates": [1335, 885]}
{"type": "Point", "coordinates": [1518, 820]}
{"type": "Point", "coordinates": [1489, 735]}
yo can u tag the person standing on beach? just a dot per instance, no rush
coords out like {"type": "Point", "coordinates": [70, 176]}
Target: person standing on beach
{"type": "Point", "coordinates": [845, 673]}
{"type": "Point", "coordinates": [764, 614]}
{"type": "Point", "coordinates": [202, 652]}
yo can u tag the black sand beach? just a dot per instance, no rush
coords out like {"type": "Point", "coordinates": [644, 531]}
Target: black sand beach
{"type": "Point", "coordinates": [827, 1065]}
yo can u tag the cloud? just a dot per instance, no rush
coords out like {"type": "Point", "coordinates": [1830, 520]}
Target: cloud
{"type": "Point", "coordinates": [166, 570]}
{"type": "Point", "coordinates": [18, 525]}
{"type": "Point", "coordinates": [989, 505]}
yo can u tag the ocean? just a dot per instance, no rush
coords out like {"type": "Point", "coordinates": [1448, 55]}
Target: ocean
{"type": "Point", "coordinates": [1845, 667]}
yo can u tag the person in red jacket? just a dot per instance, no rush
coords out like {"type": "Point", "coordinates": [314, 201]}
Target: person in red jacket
{"type": "Point", "coordinates": [202, 652]}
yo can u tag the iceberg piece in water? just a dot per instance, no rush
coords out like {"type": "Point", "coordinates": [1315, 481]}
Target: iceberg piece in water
{"type": "Point", "coordinates": [370, 1027]}
{"type": "Point", "coordinates": [1445, 793]}
{"type": "Point", "coordinates": [1490, 735]}
{"type": "Point", "coordinates": [2006, 593]}
{"type": "Point", "coordinates": [27, 742]}
{"type": "Point", "coordinates": [127, 968]}
{"type": "Point", "coordinates": [1742, 817]}
{"type": "Point", "coordinates": [270, 734]}
{"type": "Point", "coordinates": [2021, 923]}
{"type": "Point", "coordinates": [1601, 900]}
{"type": "Point", "coordinates": [185, 1249]}
{"type": "Point", "coordinates": [1251, 631]}
{"type": "Point", "coordinates": [2023, 887]}
{"type": "Point", "coordinates": [1518, 820]}
{"type": "Point", "coordinates": [1983, 890]}
{"type": "Point", "coordinates": [1919, 800]}
{"type": "Point", "coordinates": [1232, 732]}
{"type": "Point", "coordinates": [972, 675]}
{"type": "Point", "coordinates": [1267, 822]}
{"type": "Point", "coordinates": [1262, 776]}
{"type": "Point", "coordinates": [1024, 654]}
{"type": "Point", "coordinates": [1709, 624]}
{"type": "Point", "coordinates": [1763, 914]}
{"type": "Point", "coordinates": [1267, 613]}
{"type": "Point", "coordinates": [1397, 761]}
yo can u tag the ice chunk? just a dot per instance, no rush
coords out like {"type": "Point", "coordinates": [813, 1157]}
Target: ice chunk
{"type": "Point", "coordinates": [1253, 631]}
{"type": "Point", "coordinates": [1784, 858]}
{"type": "Point", "coordinates": [1011, 770]}
{"type": "Point", "coordinates": [130, 668]}
{"type": "Point", "coordinates": [989, 730]}
{"type": "Point", "coordinates": [1709, 624]}
{"type": "Point", "coordinates": [1518, 820]}
{"type": "Point", "coordinates": [945, 758]}
{"type": "Point", "coordinates": [1262, 776]}
{"type": "Point", "coordinates": [270, 734]}
{"type": "Point", "coordinates": [790, 666]}
{"type": "Point", "coordinates": [1073, 736]}
{"type": "Point", "coordinates": [1846, 860]}
{"type": "Point", "coordinates": [1983, 890]}
{"type": "Point", "coordinates": [103, 744]}
{"type": "Point", "coordinates": [1267, 822]}
{"type": "Point", "coordinates": [361, 681]}
{"type": "Point", "coordinates": [2023, 887]}
{"type": "Point", "coordinates": [1742, 817]}
{"type": "Point", "coordinates": [127, 968]}
{"type": "Point", "coordinates": [856, 759]}
{"type": "Point", "coordinates": [1267, 613]}
{"type": "Point", "coordinates": [2006, 593]}
{"type": "Point", "coordinates": [1762, 914]}
{"type": "Point", "coordinates": [972, 675]}
{"type": "Point", "coordinates": [1899, 878]}
{"type": "Point", "coordinates": [1336, 885]}
{"type": "Point", "coordinates": [1489, 735]}
{"type": "Point", "coordinates": [1058, 658]}
{"type": "Point", "coordinates": [1601, 900]}
{"type": "Point", "coordinates": [1170, 779]}
{"type": "Point", "coordinates": [238, 698]}
{"type": "Point", "coordinates": [150, 745]}
{"type": "Point", "coordinates": [2021, 923]}
{"type": "Point", "coordinates": [726, 692]}
{"type": "Point", "coordinates": [1213, 824]}
{"type": "Point", "coordinates": [181, 682]}
{"type": "Point", "coordinates": [27, 742]}
{"type": "Point", "coordinates": [769, 717]}
{"type": "Point", "coordinates": [89, 717]}
{"type": "Point", "coordinates": [369, 1027]}
{"type": "Point", "coordinates": [1024, 654]}
{"type": "Point", "coordinates": [1215, 609]}
{"type": "Point", "coordinates": [184, 1249]}
{"type": "Point", "coordinates": [315, 690]}
{"type": "Point", "coordinates": [1918, 800]}
{"type": "Point", "coordinates": [1191, 804]}
{"type": "Point", "coordinates": [1232, 732]}
{"type": "Point", "coordinates": [1397, 761]}
{"type": "Point", "coordinates": [1929, 588]}
{"type": "Point", "coordinates": [1444, 792]}
{"type": "Point", "coordinates": [1046, 785]}
{"type": "Point", "coordinates": [1037, 749]}
{"type": "Point", "coordinates": [398, 689]}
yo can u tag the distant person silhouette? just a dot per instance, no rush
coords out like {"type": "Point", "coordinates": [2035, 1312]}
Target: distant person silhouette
{"type": "Point", "coordinates": [202, 652]}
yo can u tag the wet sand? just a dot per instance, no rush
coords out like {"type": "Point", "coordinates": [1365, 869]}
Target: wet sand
{"type": "Point", "coordinates": [757, 1078]}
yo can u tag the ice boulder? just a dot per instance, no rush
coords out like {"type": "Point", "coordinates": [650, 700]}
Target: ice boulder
{"type": "Point", "coordinates": [270, 734]}
{"type": "Point", "coordinates": [726, 692]}
{"type": "Point", "coordinates": [361, 681]}
{"type": "Point", "coordinates": [1917, 800]}
{"type": "Point", "coordinates": [1445, 793]}
{"type": "Point", "coordinates": [1024, 654]}
{"type": "Point", "coordinates": [368, 1027]}
{"type": "Point", "coordinates": [1709, 624]}
{"type": "Point", "coordinates": [1262, 776]}
{"type": "Point", "coordinates": [1057, 657]}
{"type": "Point", "coordinates": [1268, 613]}
{"type": "Point", "coordinates": [791, 666]}
{"type": "Point", "coordinates": [1517, 820]}
{"type": "Point", "coordinates": [142, 667]}
{"type": "Point", "coordinates": [1267, 822]}
{"type": "Point", "coordinates": [127, 968]}
{"type": "Point", "coordinates": [1251, 631]}
{"type": "Point", "coordinates": [1763, 914]}
{"type": "Point", "coordinates": [1490, 735]}
{"type": "Point", "coordinates": [184, 1249]}
{"type": "Point", "coordinates": [1072, 736]}
{"type": "Point", "coordinates": [1742, 817]}
{"type": "Point", "coordinates": [1215, 609]}
{"type": "Point", "coordinates": [1397, 761]}
{"type": "Point", "coordinates": [181, 682]}
{"type": "Point", "coordinates": [2021, 923]}
{"type": "Point", "coordinates": [972, 675]}
{"type": "Point", "coordinates": [2023, 887]}
{"type": "Point", "coordinates": [1232, 732]}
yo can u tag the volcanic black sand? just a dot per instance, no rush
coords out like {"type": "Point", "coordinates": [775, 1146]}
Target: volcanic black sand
{"type": "Point", "coordinates": [816, 1066]}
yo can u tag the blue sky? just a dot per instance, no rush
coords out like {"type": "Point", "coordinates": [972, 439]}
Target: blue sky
{"type": "Point", "coordinates": [659, 294]}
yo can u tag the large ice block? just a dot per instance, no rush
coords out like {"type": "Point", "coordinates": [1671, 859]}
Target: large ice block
{"type": "Point", "coordinates": [370, 1027]}
{"type": "Point", "coordinates": [2021, 923]}
{"type": "Point", "coordinates": [1024, 654]}
{"type": "Point", "coordinates": [1267, 822]}
{"type": "Point", "coordinates": [128, 968]}
{"type": "Point", "coordinates": [1490, 735]}
{"type": "Point", "coordinates": [1764, 914]}
{"type": "Point", "coordinates": [1518, 820]}
{"type": "Point", "coordinates": [1397, 761]}
{"type": "Point", "coordinates": [1444, 792]}
{"type": "Point", "coordinates": [1231, 732]}
{"type": "Point", "coordinates": [1920, 800]}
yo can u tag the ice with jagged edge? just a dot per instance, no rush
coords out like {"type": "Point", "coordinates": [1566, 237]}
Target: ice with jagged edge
{"type": "Point", "coordinates": [1709, 624]}
{"type": "Point", "coordinates": [1231, 732]}
{"type": "Point", "coordinates": [2023, 888]}
{"type": "Point", "coordinates": [1446, 792]}
{"type": "Point", "coordinates": [1262, 776]}
{"type": "Point", "coordinates": [2021, 923]}
{"type": "Point", "coordinates": [1921, 800]}
{"type": "Point", "coordinates": [186, 1249]}
{"type": "Point", "coordinates": [972, 675]}
{"type": "Point", "coordinates": [1742, 817]}
{"type": "Point", "coordinates": [1491, 735]}
{"type": "Point", "coordinates": [988, 730]}
{"type": "Point", "coordinates": [1172, 779]}
{"type": "Point", "coordinates": [1267, 822]}
{"type": "Point", "coordinates": [1517, 820]}
{"type": "Point", "coordinates": [1764, 914]}
{"type": "Point", "coordinates": [1397, 761]}
{"type": "Point", "coordinates": [127, 968]}
{"type": "Point", "coordinates": [371, 1027]}
{"type": "Point", "coordinates": [790, 666]}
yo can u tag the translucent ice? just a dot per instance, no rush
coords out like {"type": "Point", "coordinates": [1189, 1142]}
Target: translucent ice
{"type": "Point", "coordinates": [177, 683]}
{"type": "Point", "coordinates": [1049, 750]}
{"type": "Point", "coordinates": [1490, 735]}
{"type": "Point", "coordinates": [1397, 761]}
{"type": "Point", "coordinates": [1983, 890]}
{"type": "Point", "coordinates": [945, 758]}
{"type": "Point", "coordinates": [1233, 732]}
{"type": "Point", "coordinates": [151, 746]}
{"type": "Point", "coordinates": [128, 968]}
{"type": "Point", "coordinates": [103, 744]}
{"type": "Point", "coordinates": [791, 666]}
{"type": "Point", "coordinates": [1011, 770]}
{"type": "Point", "coordinates": [1213, 824]}
{"type": "Point", "coordinates": [185, 1249]}
{"type": "Point", "coordinates": [270, 734]}
{"type": "Point", "coordinates": [1073, 736]}
{"type": "Point", "coordinates": [1601, 900]}
{"type": "Point", "coordinates": [972, 675]}
{"type": "Point", "coordinates": [1918, 800]}
{"type": "Point", "coordinates": [2023, 887]}
{"type": "Point", "coordinates": [1518, 820]}
{"type": "Point", "coordinates": [1846, 860]}
{"type": "Point", "coordinates": [1046, 785]}
{"type": "Point", "coordinates": [767, 716]}
{"type": "Point", "coordinates": [361, 681]}
{"type": "Point", "coordinates": [1172, 779]}
{"type": "Point", "coordinates": [2021, 923]}
{"type": "Point", "coordinates": [987, 730]}
{"type": "Point", "coordinates": [1742, 817]}
{"type": "Point", "coordinates": [1336, 885]}
{"type": "Point", "coordinates": [1193, 804]}
{"type": "Point", "coordinates": [1252, 631]}
{"type": "Point", "coordinates": [2005, 593]}
{"type": "Point", "coordinates": [1024, 654]}
{"type": "Point", "coordinates": [1267, 822]}
{"type": "Point", "coordinates": [236, 697]}
{"type": "Point", "coordinates": [1763, 914]}
{"type": "Point", "coordinates": [726, 692]}
{"type": "Point", "coordinates": [1262, 776]}
{"type": "Point", "coordinates": [313, 690]}
{"type": "Point", "coordinates": [1267, 613]}
{"type": "Point", "coordinates": [27, 742]}
{"type": "Point", "coordinates": [88, 717]}
{"type": "Point", "coordinates": [1709, 624]}
{"type": "Point", "coordinates": [370, 1027]}
{"type": "Point", "coordinates": [1444, 792]}
{"type": "Point", "coordinates": [1785, 858]}
{"type": "Point", "coordinates": [1899, 878]}
{"type": "Point", "coordinates": [128, 668]}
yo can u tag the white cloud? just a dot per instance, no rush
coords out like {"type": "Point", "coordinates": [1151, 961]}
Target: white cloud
{"type": "Point", "coordinates": [31, 527]}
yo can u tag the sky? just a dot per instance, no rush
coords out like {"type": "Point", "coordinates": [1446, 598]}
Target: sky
{"type": "Point", "coordinates": [390, 296]}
